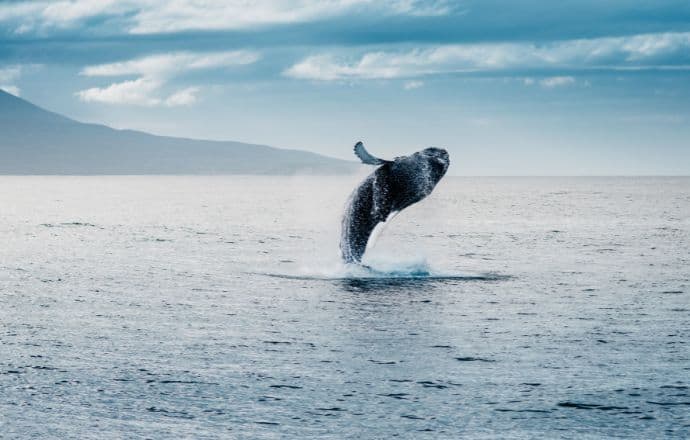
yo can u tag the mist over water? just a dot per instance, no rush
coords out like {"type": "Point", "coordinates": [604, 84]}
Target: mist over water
{"type": "Point", "coordinates": [217, 307]}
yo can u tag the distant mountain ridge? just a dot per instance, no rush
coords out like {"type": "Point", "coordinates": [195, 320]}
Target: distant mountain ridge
{"type": "Point", "coordinates": [37, 141]}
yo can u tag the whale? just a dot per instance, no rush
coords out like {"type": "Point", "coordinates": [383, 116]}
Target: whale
{"type": "Point", "coordinates": [392, 187]}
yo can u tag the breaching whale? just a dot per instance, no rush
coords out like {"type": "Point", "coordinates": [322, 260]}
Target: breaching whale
{"type": "Point", "coordinates": [394, 186]}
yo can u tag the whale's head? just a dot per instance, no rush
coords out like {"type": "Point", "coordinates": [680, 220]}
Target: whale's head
{"type": "Point", "coordinates": [438, 161]}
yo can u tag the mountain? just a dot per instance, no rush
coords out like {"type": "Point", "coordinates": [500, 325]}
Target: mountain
{"type": "Point", "coordinates": [36, 141]}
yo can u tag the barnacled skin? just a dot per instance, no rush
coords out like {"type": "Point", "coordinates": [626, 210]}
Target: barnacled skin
{"type": "Point", "coordinates": [394, 186]}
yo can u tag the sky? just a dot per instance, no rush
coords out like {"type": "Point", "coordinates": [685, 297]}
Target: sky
{"type": "Point", "coordinates": [509, 87]}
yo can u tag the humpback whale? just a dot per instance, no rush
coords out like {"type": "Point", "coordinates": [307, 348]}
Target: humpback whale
{"type": "Point", "coordinates": [392, 187]}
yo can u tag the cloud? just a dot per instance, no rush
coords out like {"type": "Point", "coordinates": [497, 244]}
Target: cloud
{"type": "Point", "coordinates": [557, 81]}
{"type": "Point", "coordinates": [169, 64]}
{"type": "Point", "coordinates": [165, 16]}
{"type": "Point", "coordinates": [8, 75]}
{"type": "Point", "coordinates": [30, 16]}
{"type": "Point", "coordinates": [183, 97]}
{"type": "Point", "coordinates": [222, 14]}
{"type": "Point", "coordinates": [153, 73]}
{"type": "Point", "coordinates": [135, 92]}
{"type": "Point", "coordinates": [422, 8]}
{"type": "Point", "coordinates": [67, 12]}
{"type": "Point", "coordinates": [410, 85]}
{"type": "Point", "coordinates": [551, 82]}
{"type": "Point", "coordinates": [12, 90]}
{"type": "Point", "coordinates": [138, 92]}
{"type": "Point", "coordinates": [644, 51]}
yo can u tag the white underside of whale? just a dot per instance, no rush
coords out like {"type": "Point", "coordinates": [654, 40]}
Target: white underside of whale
{"type": "Point", "coordinates": [378, 229]}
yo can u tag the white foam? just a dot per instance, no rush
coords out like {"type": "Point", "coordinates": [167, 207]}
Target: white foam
{"type": "Point", "coordinates": [379, 267]}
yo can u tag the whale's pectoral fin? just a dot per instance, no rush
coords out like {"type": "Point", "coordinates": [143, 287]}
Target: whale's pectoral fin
{"type": "Point", "coordinates": [367, 158]}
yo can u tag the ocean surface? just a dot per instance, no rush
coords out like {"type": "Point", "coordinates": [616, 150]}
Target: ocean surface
{"type": "Point", "coordinates": [216, 307]}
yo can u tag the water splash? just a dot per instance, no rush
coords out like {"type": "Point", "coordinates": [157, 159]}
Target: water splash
{"type": "Point", "coordinates": [383, 268]}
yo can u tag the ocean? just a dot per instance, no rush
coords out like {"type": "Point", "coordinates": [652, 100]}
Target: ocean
{"type": "Point", "coordinates": [216, 307]}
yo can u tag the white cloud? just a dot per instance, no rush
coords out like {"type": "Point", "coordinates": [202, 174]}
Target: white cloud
{"type": "Point", "coordinates": [67, 12]}
{"type": "Point", "coordinates": [165, 65]}
{"type": "Point", "coordinates": [557, 81]}
{"type": "Point", "coordinates": [633, 52]}
{"type": "Point", "coordinates": [410, 85]}
{"type": "Point", "coordinates": [423, 8]}
{"type": "Point", "coordinates": [135, 92]}
{"type": "Point", "coordinates": [643, 46]}
{"type": "Point", "coordinates": [8, 75]}
{"type": "Point", "coordinates": [12, 90]}
{"type": "Point", "coordinates": [41, 15]}
{"type": "Point", "coordinates": [183, 97]}
{"type": "Point", "coordinates": [159, 16]}
{"type": "Point", "coordinates": [153, 73]}
{"type": "Point", "coordinates": [373, 65]}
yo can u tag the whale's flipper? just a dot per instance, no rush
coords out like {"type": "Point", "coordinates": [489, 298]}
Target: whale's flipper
{"type": "Point", "coordinates": [367, 158]}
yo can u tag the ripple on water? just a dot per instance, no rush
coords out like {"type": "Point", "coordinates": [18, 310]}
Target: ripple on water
{"type": "Point", "coordinates": [182, 339]}
{"type": "Point", "coordinates": [473, 359]}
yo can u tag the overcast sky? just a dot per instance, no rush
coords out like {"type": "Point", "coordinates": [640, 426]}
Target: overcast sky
{"type": "Point", "coordinates": [508, 87]}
